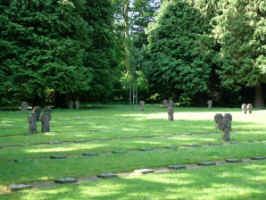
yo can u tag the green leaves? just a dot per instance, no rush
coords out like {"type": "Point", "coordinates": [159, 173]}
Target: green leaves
{"type": "Point", "coordinates": [174, 48]}
{"type": "Point", "coordinates": [56, 46]}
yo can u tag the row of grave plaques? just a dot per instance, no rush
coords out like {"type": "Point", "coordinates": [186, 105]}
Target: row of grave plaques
{"type": "Point", "coordinates": [17, 187]}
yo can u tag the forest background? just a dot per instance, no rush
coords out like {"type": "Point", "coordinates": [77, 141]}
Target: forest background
{"type": "Point", "coordinates": [60, 51]}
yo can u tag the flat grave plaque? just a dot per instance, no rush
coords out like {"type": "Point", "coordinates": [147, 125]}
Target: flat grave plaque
{"type": "Point", "coordinates": [16, 187]}
{"type": "Point", "coordinates": [107, 175]}
{"type": "Point", "coordinates": [89, 154]}
{"type": "Point", "coordinates": [233, 160]}
{"type": "Point", "coordinates": [177, 167]}
{"type": "Point", "coordinates": [206, 163]}
{"type": "Point", "coordinates": [66, 180]}
{"type": "Point", "coordinates": [57, 156]}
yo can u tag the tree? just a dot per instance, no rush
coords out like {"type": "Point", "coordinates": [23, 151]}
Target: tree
{"type": "Point", "coordinates": [176, 63]}
{"type": "Point", "coordinates": [240, 30]}
{"type": "Point", "coordinates": [60, 46]}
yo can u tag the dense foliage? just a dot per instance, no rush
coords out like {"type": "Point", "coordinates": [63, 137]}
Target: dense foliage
{"type": "Point", "coordinates": [176, 64]}
{"type": "Point", "coordinates": [58, 48]}
{"type": "Point", "coordinates": [59, 51]}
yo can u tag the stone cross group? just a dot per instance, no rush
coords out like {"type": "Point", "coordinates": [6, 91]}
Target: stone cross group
{"type": "Point", "coordinates": [247, 108]}
{"type": "Point", "coordinates": [36, 116]}
{"type": "Point", "coordinates": [224, 123]}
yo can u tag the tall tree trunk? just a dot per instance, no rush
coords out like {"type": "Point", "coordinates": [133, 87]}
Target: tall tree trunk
{"type": "Point", "coordinates": [259, 100]}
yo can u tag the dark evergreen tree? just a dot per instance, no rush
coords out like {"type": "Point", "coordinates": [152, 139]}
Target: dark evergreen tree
{"type": "Point", "coordinates": [240, 30]}
{"type": "Point", "coordinates": [59, 46]}
{"type": "Point", "coordinates": [178, 61]}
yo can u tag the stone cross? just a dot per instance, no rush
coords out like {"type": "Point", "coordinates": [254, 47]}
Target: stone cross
{"type": "Point", "coordinates": [36, 112]}
{"type": "Point", "coordinates": [165, 103]}
{"type": "Point", "coordinates": [142, 103]}
{"type": "Point", "coordinates": [227, 126]}
{"type": "Point", "coordinates": [218, 118]}
{"type": "Point", "coordinates": [77, 104]}
{"type": "Point", "coordinates": [249, 108]}
{"type": "Point", "coordinates": [224, 123]}
{"type": "Point", "coordinates": [70, 104]}
{"type": "Point", "coordinates": [32, 124]}
{"type": "Point", "coordinates": [209, 103]}
{"type": "Point", "coordinates": [24, 106]}
{"type": "Point", "coordinates": [170, 110]}
{"type": "Point", "coordinates": [244, 108]}
{"type": "Point", "coordinates": [45, 119]}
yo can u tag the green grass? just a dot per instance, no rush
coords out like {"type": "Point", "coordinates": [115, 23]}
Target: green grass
{"type": "Point", "coordinates": [118, 121]}
{"type": "Point", "coordinates": [228, 182]}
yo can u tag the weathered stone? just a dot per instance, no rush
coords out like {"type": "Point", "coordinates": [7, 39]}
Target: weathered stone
{"type": "Point", "coordinates": [70, 104]}
{"type": "Point", "coordinates": [194, 145]}
{"type": "Point", "coordinates": [209, 102]}
{"type": "Point", "coordinates": [77, 104]}
{"type": "Point", "coordinates": [45, 119]}
{"type": "Point", "coordinates": [119, 151]}
{"type": "Point", "coordinates": [24, 106]}
{"type": "Point", "coordinates": [16, 187]}
{"type": "Point", "coordinates": [218, 118]}
{"type": "Point", "coordinates": [80, 141]}
{"type": "Point", "coordinates": [244, 108]}
{"type": "Point", "coordinates": [171, 147]}
{"type": "Point", "coordinates": [165, 103]}
{"type": "Point", "coordinates": [206, 163]}
{"type": "Point", "coordinates": [18, 160]}
{"type": "Point", "coordinates": [66, 180]}
{"type": "Point", "coordinates": [107, 175]}
{"type": "Point", "coordinates": [148, 136]}
{"type": "Point", "coordinates": [57, 156]}
{"type": "Point", "coordinates": [55, 142]}
{"type": "Point", "coordinates": [227, 126]}
{"type": "Point", "coordinates": [36, 112]}
{"type": "Point", "coordinates": [171, 110]}
{"type": "Point", "coordinates": [233, 160]}
{"type": "Point", "coordinates": [258, 158]}
{"type": "Point", "coordinates": [177, 167]}
{"type": "Point", "coordinates": [144, 171]}
{"type": "Point", "coordinates": [32, 124]}
{"type": "Point", "coordinates": [89, 154]}
{"type": "Point", "coordinates": [142, 103]}
{"type": "Point", "coordinates": [145, 149]}
{"type": "Point", "coordinates": [249, 108]}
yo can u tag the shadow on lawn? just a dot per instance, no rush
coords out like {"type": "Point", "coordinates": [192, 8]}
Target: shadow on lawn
{"type": "Point", "coordinates": [234, 182]}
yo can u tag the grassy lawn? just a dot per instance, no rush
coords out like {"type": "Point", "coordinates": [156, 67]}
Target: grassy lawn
{"type": "Point", "coordinates": [116, 122]}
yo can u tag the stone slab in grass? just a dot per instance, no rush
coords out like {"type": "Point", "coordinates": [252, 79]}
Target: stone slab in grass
{"type": "Point", "coordinates": [145, 149]}
{"type": "Point", "coordinates": [107, 175]}
{"type": "Point", "coordinates": [17, 187]}
{"type": "Point", "coordinates": [58, 156]}
{"type": "Point", "coordinates": [234, 142]}
{"type": "Point", "coordinates": [233, 160]}
{"type": "Point", "coordinates": [80, 141]}
{"type": "Point", "coordinates": [89, 154]}
{"type": "Point", "coordinates": [147, 171]}
{"type": "Point", "coordinates": [171, 147]}
{"type": "Point", "coordinates": [119, 151]}
{"type": "Point", "coordinates": [144, 171]}
{"type": "Point", "coordinates": [148, 136]}
{"type": "Point", "coordinates": [194, 145]}
{"type": "Point", "coordinates": [66, 180]}
{"type": "Point", "coordinates": [177, 167]}
{"type": "Point", "coordinates": [258, 158]}
{"type": "Point", "coordinates": [55, 142]}
{"type": "Point", "coordinates": [206, 163]}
